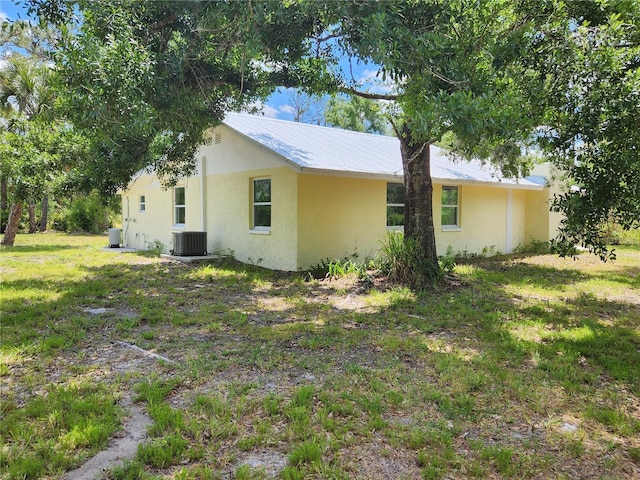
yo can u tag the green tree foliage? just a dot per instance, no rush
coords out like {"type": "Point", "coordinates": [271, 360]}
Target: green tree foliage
{"type": "Point", "coordinates": [585, 64]}
{"type": "Point", "coordinates": [452, 63]}
{"type": "Point", "coordinates": [148, 78]}
{"type": "Point", "coordinates": [25, 98]}
{"type": "Point", "coordinates": [357, 114]}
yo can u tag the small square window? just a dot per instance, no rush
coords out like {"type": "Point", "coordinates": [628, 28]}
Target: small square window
{"type": "Point", "coordinates": [142, 203]}
{"type": "Point", "coordinates": [262, 203]}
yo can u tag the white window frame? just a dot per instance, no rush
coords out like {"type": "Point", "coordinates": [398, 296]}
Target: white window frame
{"type": "Point", "coordinates": [254, 204]}
{"type": "Point", "coordinates": [177, 207]}
{"type": "Point", "coordinates": [142, 203]}
{"type": "Point", "coordinates": [443, 205]}
{"type": "Point", "coordinates": [394, 227]}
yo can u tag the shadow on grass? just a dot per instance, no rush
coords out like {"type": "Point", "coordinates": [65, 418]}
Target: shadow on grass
{"type": "Point", "coordinates": [516, 273]}
{"type": "Point", "coordinates": [224, 291]}
{"type": "Point", "coordinates": [579, 333]}
{"type": "Point", "coordinates": [37, 248]}
{"type": "Point", "coordinates": [626, 276]}
{"type": "Point", "coordinates": [587, 340]}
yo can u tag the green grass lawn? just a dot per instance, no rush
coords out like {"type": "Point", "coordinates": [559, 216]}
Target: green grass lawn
{"type": "Point", "coordinates": [515, 367]}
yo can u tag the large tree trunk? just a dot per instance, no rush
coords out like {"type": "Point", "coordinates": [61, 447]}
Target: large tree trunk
{"type": "Point", "coordinates": [418, 207]}
{"type": "Point", "coordinates": [3, 202]}
{"type": "Point", "coordinates": [44, 219]}
{"type": "Point", "coordinates": [12, 224]}
{"type": "Point", "coordinates": [33, 228]}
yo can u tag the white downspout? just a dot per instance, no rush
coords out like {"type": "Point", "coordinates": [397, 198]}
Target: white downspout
{"type": "Point", "coordinates": [126, 225]}
{"type": "Point", "coordinates": [203, 192]}
{"type": "Point", "coordinates": [509, 240]}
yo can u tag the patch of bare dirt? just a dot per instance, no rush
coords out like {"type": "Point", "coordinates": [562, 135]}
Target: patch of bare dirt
{"type": "Point", "coordinates": [269, 461]}
{"type": "Point", "coordinates": [376, 460]}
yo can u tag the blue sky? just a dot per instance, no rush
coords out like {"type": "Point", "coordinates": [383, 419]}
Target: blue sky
{"type": "Point", "coordinates": [277, 106]}
{"type": "Point", "coordinates": [8, 9]}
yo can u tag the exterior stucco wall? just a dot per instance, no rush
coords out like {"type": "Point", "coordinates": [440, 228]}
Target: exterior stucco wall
{"type": "Point", "coordinates": [229, 207]}
{"type": "Point", "coordinates": [483, 220]}
{"type": "Point", "coordinates": [338, 217]}
{"type": "Point", "coordinates": [538, 224]}
{"type": "Point", "coordinates": [157, 223]}
{"type": "Point", "coordinates": [542, 225]}
{"type": "Point", "coordinates": [232, 162]}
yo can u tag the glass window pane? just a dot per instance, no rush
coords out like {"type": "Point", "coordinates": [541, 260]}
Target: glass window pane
{"type": "Point", "coordinates": [395, 193]}
{"type": "Point", "coordinates": [450, 195]}
{"type": "Point", "coordinates": [180, 214]}
{"type": "Point", "coordinates": [262, 215]}
{"type": "Point", "coordinates": [395, 216]}
{"type": "Point", "coordinates": [262, 190]}
{"type": "Point", "coordinates": [179, 196]}
{"type": "Point", "coordinates": [450, 216]}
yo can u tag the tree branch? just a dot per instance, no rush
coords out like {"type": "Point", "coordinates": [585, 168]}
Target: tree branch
{"type": "Point", "coordinates": [367, 95]}
{"type": "Point", "coordinates": [327, 37]}
{"type": "Point", "coordinates": [160, 24]}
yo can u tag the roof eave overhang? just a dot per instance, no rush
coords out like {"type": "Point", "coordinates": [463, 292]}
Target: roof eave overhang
{"type": "Point", "coordinates": [399, 177]}
{"type": "Point", "coordinates": [493, 184]}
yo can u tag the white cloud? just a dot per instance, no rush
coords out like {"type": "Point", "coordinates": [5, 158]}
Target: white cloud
{"type": "Point", "coordinates": [269, 111]}
{"type": "Point", "coordinates": [264, 110]}
{"type": "Point", "coordinates": [286, 109]}
{"type": "Point", "coordinates": [372, 81]}
{"type": "Point", "coordinates": [370, 75]}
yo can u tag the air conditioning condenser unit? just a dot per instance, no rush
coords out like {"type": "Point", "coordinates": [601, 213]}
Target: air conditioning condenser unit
{"type": "Point", "coordinates": [189, 244]}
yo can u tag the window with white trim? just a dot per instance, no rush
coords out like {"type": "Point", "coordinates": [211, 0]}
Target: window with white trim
{"type": "Point", "coordinates": [395, 205]}
{"type": "Point", "coordinates": [450, 207]}
{"type": "Point", "coordinates": [179, 206]}
{"type": "Point", "coordinates": [261, 204]}
{"type": "Point", "coordinates": [142, 204]}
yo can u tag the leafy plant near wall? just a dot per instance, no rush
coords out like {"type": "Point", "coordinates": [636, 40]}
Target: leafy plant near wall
{"type": "Point", "coordinates": [327, 268]}
{"type": "Point", "coordinates": [155, 247]}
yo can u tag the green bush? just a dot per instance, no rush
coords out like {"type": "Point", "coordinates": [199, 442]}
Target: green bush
{"type": "Point", "coordinates": [88, 213]}
{"type": "Point", "coordinates": [614, 234]}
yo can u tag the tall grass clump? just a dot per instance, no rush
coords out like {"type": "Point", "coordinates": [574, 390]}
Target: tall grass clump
{"type": "Point", "coordinates": [403, 261]}
{"type": "Point", "coordinates": [335, 269]}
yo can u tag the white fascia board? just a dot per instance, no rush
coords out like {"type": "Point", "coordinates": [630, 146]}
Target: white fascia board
{"type": "Point", "coordinates": [399, 178]}
{"type": "Point", "coordinates": [496, 184]}
{"type": "Point", "coordinates": [347, 174]}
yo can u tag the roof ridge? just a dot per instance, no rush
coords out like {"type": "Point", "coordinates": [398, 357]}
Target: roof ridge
{"type": "Point", "coordinates": [307, 125]}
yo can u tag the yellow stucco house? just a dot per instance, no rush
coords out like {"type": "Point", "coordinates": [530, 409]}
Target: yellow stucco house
{"type": "Point", "coordinates": [286, 195]}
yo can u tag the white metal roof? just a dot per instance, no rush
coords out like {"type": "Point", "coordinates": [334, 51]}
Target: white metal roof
{"type": "Point", "coordinates": [312, 148]}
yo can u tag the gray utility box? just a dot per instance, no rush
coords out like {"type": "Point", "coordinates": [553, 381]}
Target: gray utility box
{"type": "Point", "coordinates": [114, 237]}
{"type": "Point", "coordinates": [189, 244]}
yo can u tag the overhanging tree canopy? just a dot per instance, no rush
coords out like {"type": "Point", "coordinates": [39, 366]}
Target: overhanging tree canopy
{"type": "Point", "coordinates": [585, 66]}
{"type": "Point", "coordinates": [151, 77]}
